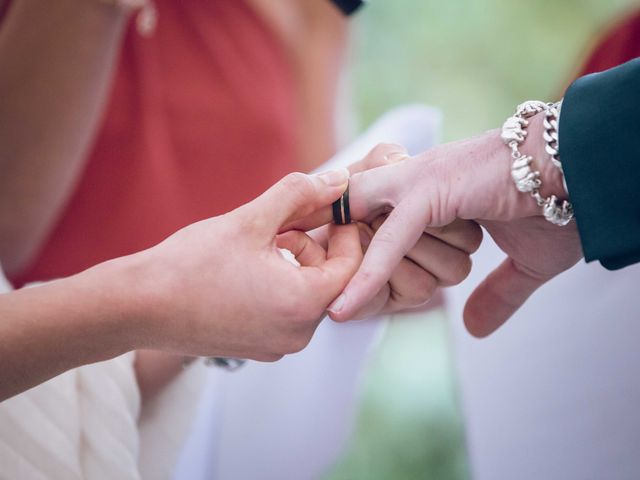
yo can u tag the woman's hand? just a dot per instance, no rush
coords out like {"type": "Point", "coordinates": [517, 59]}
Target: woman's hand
{"type": "Point", "coordinates": [221, 287]}
{"type": "Point", "coordinates": [440, 257]}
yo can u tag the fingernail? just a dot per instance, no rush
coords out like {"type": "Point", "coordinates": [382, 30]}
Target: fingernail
{"type": "Point", "coordinates": [396, 157]}
{"type": "Point", "coordinates": [335, 178]}
{"type": "Point", "coordinates": [338, 303]}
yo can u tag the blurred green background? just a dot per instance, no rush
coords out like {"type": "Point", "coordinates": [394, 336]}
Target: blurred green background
{"type": "Point", "coordinates": [475, 60]}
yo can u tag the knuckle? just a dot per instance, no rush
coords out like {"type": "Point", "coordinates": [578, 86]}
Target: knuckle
{"type": "Point", "coordinates": [298, 343]}
{"type": "Point", "coordinates": [458, 270]}
{"type": "Point", "coordinates": [268, 357]}
{"type": "Point", "coordinates": [367, 275]}
{"type": "Point", "coordinates": [421, 290]}
{"type": "Point", "coordinates": [385, 236]}
{"type": "Point", "coordinates": [240, 226]}
{"type": "Point", "coordinates": [298, 183]}
{"type": "Point", "coordinates": [385, 154]}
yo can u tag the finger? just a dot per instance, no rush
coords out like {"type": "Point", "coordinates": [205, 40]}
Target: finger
{"type": "Point", "coordinates": [295, 196]}
{"type": "Point", "coordinates": [449, 265]}
{"type": "Point", "coordinates": [307, 252]}
{"type": "Point", "coordinates": [411, 286]}
{"type": "Point", "coordinates": [344, 256]}
{"type": "Point", "coordinates": [371, 193]}
{"type": "Point", "coordinates": [381, 154]}
{"type": "Point", "coordinates": [375, 307]}
{"type": "Point", "coordinates": [378, 303]}
{"type": "Point", "coordinates": [320, 235]}
{"type": "Point", "coordinates": [498, 297]}
{"type": "Point", "coordinates": [391, 242]}
{"type": "Point", "coordinates": [465, 235]}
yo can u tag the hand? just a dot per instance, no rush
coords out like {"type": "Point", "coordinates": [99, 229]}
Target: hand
{"type": "Point", "coordinates": [469, 179]}
{"type": "Point", "coordinates": [440, 257]}
{"type": "Point", "coordinates": [221, 287]}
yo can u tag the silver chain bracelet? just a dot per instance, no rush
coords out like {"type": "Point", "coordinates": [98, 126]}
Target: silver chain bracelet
{"type": "Point", "coordinates": [514, 133]}
{"type": "Point", "coordinates": [550, 135]}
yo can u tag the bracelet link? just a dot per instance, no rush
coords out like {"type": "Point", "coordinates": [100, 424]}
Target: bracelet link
{"type": "Point", "coordinates": [514, 133]}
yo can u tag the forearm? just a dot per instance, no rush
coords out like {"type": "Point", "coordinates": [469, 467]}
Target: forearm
{"type": "Point", "coordinates": [57, 58]}
{"type": "Point", "coordinates": [47, 330]}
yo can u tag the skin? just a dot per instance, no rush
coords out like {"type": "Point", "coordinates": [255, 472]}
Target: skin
{"type": "Point", "coordinates": [469, 179]}
{"type": "Point", "coordinates": [62, 114]}
{"type": "Point", "coordinates": [440, 257]}
{"type": "Point", "coordinates": [314, 36]}
{"type": "Point", "coordinates": [47, 127]}
{"type": "Point", "coordinates": [188, 294]}
{"type": "Point", "coordinates": [53, 83]}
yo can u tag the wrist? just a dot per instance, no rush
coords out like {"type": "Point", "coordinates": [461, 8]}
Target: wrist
{"type": "Point", "coordinates": [527, 168]}
{"type": "Point", "coordinates": [118, 293]}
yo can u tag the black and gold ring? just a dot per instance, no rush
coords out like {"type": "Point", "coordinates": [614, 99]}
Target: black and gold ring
{"type": "Point", "coordinates": [341, 210]}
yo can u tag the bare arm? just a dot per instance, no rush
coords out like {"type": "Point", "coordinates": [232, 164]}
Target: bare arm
{"type": "Point", "coordinates": [57, 58]}
{"type": "Point", "coordinates": [47, 330]}
{"type": "Point", "coordinates": [188, 295]}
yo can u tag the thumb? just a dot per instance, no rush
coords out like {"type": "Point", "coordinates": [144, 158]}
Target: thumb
{"type": "Point", "coordinates": [296, 196]}
{"type": "Point", "coordinates": [344, 255]}
{"type": "Point", "coordinates": [498, 297]}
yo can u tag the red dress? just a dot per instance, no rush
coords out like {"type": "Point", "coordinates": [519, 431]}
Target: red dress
{"type": "Point", "coordinates": [201, 119]}
{"type": "Point", "coordinates": [618, 45]}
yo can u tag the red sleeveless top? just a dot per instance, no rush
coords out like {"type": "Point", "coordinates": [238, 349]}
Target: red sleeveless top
{"type": "Point", "coordinates": [619, 44]}
{"type": "Point", "coordinates": [201, 119]}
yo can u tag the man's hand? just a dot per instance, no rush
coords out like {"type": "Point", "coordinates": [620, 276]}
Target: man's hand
{"type": "Point", "coordinates": [440, 257]}
{"type": "Point", "coordinates": [469, 179]}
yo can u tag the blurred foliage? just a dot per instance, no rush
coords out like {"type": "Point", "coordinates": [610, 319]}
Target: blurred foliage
{"type": "Point", "coordinates": [475, 60]}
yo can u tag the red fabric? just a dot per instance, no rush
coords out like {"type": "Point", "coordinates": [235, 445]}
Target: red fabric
{"type": "Point", "coordinates": [618, 45]}
{"type": "Point", "coordinates": [201, 119]}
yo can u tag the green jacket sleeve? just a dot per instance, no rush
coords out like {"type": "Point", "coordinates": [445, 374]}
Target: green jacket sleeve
{"type": "Point", "coordinates": [599, 138]}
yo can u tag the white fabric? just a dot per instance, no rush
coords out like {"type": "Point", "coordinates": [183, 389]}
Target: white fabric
{"type": "Point", "coordinates": [166, 420]}
{"type": "Point", "coordinates": [84, 424]}
{"type": "Point", "coordinates": [81, 424]}
{"type": "Point", "coordinates": [291, 419]}
{"type": "Point", "coordinates": [555, 393]}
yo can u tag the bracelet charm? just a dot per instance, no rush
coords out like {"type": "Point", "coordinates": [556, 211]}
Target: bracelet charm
{"type": "Point", "coordinates": [526, 180]}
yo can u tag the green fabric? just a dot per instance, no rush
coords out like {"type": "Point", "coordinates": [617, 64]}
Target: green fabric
{"type": "Point", "coordinates": [600, 151]}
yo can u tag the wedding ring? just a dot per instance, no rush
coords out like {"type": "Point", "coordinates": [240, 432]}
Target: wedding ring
{"type": "Point", "coordinates": [341, 210]}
